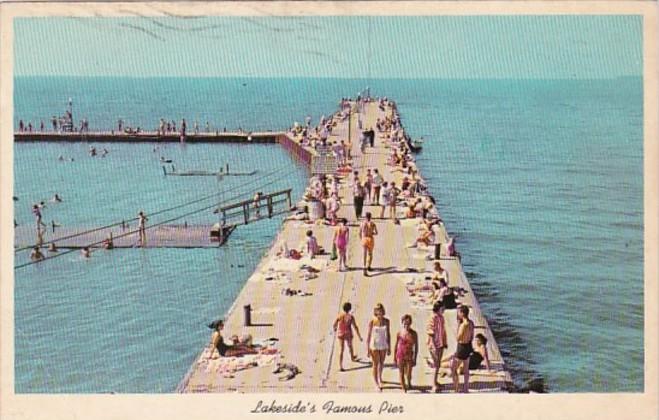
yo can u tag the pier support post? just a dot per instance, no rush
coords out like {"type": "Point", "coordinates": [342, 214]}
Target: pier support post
{"type": "Point", "coordinates": [247, 309]}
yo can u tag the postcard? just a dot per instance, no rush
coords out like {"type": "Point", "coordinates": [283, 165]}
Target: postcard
{"type": "Point", "coordinates": [329, 209]}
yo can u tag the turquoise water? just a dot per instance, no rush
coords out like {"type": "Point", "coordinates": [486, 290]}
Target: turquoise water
{"type": "Point", "coordinates": [541, 181]}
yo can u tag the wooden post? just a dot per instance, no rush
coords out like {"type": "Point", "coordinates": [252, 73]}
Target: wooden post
{"type": "Point", "coordinates": [246, 212]}
{"type": "Point", "coordinates": [269, 206]}
{"type": "Point", "coordinates": [288, 199]}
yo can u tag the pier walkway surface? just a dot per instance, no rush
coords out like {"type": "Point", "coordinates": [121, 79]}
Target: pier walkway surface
{"type": "Point", "coordinates": [302, 323]}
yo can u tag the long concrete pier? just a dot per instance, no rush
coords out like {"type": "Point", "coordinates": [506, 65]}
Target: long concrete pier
{"type": "Point", "coordinates": [297, 327]}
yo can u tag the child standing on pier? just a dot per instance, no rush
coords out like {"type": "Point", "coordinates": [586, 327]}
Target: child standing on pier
{"type": "Point", "coordinates": [341, 237]}
{"type": "Point", "coordinates": [343, 326]}
{"type": "Point", "coordinates": [407, 350]}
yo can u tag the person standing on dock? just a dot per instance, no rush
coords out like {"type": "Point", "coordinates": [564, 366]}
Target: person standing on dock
{"type": "Point", "coordinates": [465, 336]}
{"type": "Point", "coordinates": [41, 127]}
{"type": "Point", "coordinates": [367, 232]}
{"type": "Point", "coordinates": [257, 202]}
{"type": "Point", "coordinates": [120, 125]}
{"type": "Point", "coordinates": [184, 126]}
{"type": "Point", "coordinates": [54, 122]}
{"type": "Point", "coordinates": [436, 331]}
{"type": "Point", "coordinates": [141, 227]}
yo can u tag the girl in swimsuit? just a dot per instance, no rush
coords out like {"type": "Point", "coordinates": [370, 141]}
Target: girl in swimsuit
{"type": "Point", "coordinates": [378, 342]}
{"type": "Point", "coordinates": [343, 326]}
{"type": "Point", "coordinates": [341, 237]}
{"type": "Point", "coordinates": [224, 350]}
{"type": "Point", "coordinates": [407, 349]}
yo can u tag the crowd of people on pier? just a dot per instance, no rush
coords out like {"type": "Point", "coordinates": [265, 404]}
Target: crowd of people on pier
{"type": "Point", "coordinates": [322, 205]}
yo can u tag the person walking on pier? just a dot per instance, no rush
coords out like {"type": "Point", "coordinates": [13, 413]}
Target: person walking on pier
{"type": "Point", "coordinates": [367, 231]}
{"type": "Point", "coordinates": [368, 185]}
{"type": "Point", "coordinates": [358, 193]}
{"type": "Point", "coordinates": [465, 336]}
{"type": "Point", "coordinates": [436, 331]}
{"type": "Point", "coordinates": [341, 238]}
{"type": "Point", "coordinates": [378, 342]}
{"type": "Point", "coordinates": [377, 185]}
{"type": "Point", "coordinates": [141, 227]}
{"type": "Point", "coordinates": [406, 352]}
{"type": "Point", "coordinates": [343, 326]}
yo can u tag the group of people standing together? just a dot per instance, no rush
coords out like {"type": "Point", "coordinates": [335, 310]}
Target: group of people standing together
{"type": "Point", "coordinates": [406, 345]}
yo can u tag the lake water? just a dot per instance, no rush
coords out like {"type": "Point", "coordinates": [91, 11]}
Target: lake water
{"type": "Point", "coordinates": [542, 181]}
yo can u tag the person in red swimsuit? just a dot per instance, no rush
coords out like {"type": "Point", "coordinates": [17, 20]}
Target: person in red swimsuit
{"type": "Point", "coordinates": [407, 350]}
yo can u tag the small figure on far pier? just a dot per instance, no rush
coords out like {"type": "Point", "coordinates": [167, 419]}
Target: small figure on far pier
{"type": "Point", "coordinates": [257, 202]}
{"type": "Point", "coordinates": [41, 127]}
{"type": "Point", "coordinates": [21, 126]}
{"type": "Point", "coordinates": [120, 125]}
{"type": "Point", "coordinates": [36, 254]}
{"type": "Point", "coordinates": [208, 127]}
{"type": "Point", "coordinates": [141, 224]}
{"type": "Point", "coordinates": [54, 122]}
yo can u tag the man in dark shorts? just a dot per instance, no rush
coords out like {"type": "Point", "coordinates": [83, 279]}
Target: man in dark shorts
{"type": "Point", "coordinates": [464, 349]}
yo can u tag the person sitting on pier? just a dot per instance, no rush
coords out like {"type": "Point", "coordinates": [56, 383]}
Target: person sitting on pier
{"type": "Point", "coordinates": [312, 245]}
{"type": "Point", "coordinates": [224, 350]}
{"type": "Point", "coordinates": [478, 356]}
{"type": "Point", "coordinates": [36, 254]}
{"type": "Point", "coordinates": [333, 207]}
{"type": "Point", "coordinates": [427, 235]}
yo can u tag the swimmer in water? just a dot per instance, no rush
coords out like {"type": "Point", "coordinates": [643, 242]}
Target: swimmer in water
{"type": "Point", "coordinates": [86, 253]}
{"type": "Point", "coordinates": [36, 254]}
{"type": "Point", "coordinates": [56, 198]}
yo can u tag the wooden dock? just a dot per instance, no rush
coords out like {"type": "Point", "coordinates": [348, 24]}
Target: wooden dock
{"type": "Point", "coordinates": [165, 236]}
{"type": "Point", "coordinates": [146, 137]}
{"type": "Point", "coordinates": [302, 323]}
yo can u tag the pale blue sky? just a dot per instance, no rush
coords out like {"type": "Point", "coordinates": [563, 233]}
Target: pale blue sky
{"type": "Point", "coordinates": [407, 47]}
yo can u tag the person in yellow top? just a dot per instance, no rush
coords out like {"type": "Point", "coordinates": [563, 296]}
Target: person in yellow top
{"type": "Point", "coordinates": [464, 349]}
{"type": "Point", "coordinates": [367, 232]}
